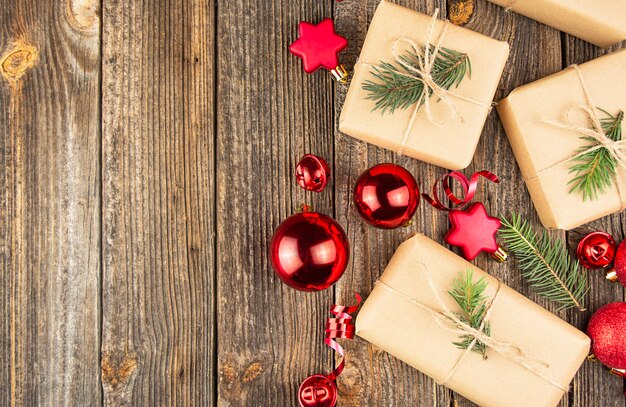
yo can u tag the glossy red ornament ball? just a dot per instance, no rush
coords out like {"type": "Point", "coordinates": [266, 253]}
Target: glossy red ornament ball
{"type": "Point", "coordinates": [309, 251]}
{"type": "Point", "coordinates": [386, 196]}
{"type": "Point", "coordinates": [317, 391]}
{"type": "Point", "coordinates": [596, 250]}
{"type": "Point", "coordinates": [619, 263]}
{"type": "Point", "coordinates": [607, 329]}
{"type": "Point", "coordinates": [312, 173]}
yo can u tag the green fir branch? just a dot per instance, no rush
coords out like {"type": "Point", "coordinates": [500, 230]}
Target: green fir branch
{"type": "Point", "coordinates": [545, 263]}
{"type": "Point", "coordinates": [595, 171]}
{"type": "Point", "coordinates": [473, 303]}
{"type": "Point", "coordinates": [398, 87]}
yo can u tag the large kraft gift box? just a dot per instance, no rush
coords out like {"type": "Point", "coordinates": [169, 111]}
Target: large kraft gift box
{"type": "Point", "coordinates": [600, 22]}
{"type": "Point", "coordinates": [545, 153]}
{"type": "Point", "coordinates": [451, 145]}
{"type": "Point", "coordinates": [419, 275]}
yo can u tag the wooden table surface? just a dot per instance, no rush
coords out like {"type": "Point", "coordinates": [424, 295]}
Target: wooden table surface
{"type": "Point", "coordinates": [147, 150]}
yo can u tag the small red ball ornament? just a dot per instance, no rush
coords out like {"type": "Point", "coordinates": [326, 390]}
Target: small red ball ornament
{"type": "Point", "coordinates": [386, 196]}
{"type": "Point", "coordinates": [312, 173]}
{"type": "Point", "coordinates": [319, 47]}
{"type": "Point", "coordinates": [596, 250]}
{"type": "Point", "coordinates": [606, 329]}
{"type": "Point", "coordinates": [309, 251]}
{"type": "Point", "coordinates": [317, 391]}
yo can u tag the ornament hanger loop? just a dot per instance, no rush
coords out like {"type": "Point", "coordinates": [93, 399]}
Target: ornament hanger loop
{"type": "Point", "coordinates": [469, 187]}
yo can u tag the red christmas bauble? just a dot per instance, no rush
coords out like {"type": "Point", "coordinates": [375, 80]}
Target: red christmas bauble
{"type": "Point", "coordinates": [619, 264]}
{"type": "Point", "coordinates": [309, 251]}
{"type": "Point", "coordinates": [386, 196]}
{"type": "Point", "coordinates": [606, 329]}
{"type": "Point", "coordinates": [312, 173]}
{"type": "Point", "coordinates": [596, 250]}
{"type": "Point", "coordinates": [317, 391]}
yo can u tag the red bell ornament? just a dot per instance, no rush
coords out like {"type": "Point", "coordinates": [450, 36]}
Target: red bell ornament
{"type": "Point", "coordinates": [309, 251]}
{"type": "Point", "coordinates": [386, 196]}
{"type": "Point", "coordinates": [596, 250]}
{"type": "Point", "coordinates": [312, 173]}
{"type": "Point", "coordinates": [608, 342]}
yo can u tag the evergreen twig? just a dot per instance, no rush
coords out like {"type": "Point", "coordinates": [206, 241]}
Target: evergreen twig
{"type": "Point", "coordinates": [596, 170]}
{"type": "Point", "coordinates": [545, 263]}
{"type": "Point", "coordinates": [469, 296]}
{"type": "Point", "coordinates": [400, 88]}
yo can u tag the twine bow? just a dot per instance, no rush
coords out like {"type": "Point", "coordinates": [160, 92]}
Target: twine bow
{"type": "Point", "coordinates": [450, 321]}
{"type": "Point", "coordinates": [595, 132]}
{"type": "Point", "coordinates": [423, 73]}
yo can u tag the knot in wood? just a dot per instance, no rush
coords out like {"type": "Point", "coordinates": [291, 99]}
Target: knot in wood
{"type": "Point", "coordinates": [16, 62]}
{"type": "Point", "coordinates": [460, 11]}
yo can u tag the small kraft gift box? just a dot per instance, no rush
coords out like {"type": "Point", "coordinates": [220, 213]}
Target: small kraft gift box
{"type": "Point", "coordinates": [423, 87]}
{"type": "Point", "coordinates": [602, 23]}
{"type": "Point", "coordinates": [520, 355]}
{"type": "Point", "coordinates": [566, 133]}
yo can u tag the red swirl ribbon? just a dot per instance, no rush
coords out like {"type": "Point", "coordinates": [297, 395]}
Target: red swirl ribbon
{"type": "Point", "coordinates": [340, 327]}
{"type": "Point", "coordinates": [469, 189]}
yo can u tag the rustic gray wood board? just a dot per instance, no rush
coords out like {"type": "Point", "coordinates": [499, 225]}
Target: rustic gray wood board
{"type": "Point", "coordinates": [158, 215]}
{"type": "Point", "coordinates": [49, 203]}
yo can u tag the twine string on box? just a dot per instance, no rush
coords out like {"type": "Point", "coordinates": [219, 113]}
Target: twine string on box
{"type": "Point", "coordinates": [450, 321]}
{"type": "Point", "coordinates": [423, 73]}
{"type": "Point", "coordinates": [595, 132]}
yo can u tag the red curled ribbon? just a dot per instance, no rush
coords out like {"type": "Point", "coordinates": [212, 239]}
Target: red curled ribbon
{"type": "Point", "coordinates": [469, 189]}
{"type": "Point", "coordinates": [339, 328]}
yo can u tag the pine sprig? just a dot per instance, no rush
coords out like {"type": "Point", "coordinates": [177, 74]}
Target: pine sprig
{"type": "Point", "coordinates": [400, 88]}
{"type": "Point", "coordinates": [596, 170]}
{"type": "Point", "coordinates": [545, 263]}
{"type": "Point", "coordinates": [473, 303]}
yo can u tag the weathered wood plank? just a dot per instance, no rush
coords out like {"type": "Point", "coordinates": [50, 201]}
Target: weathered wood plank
{"type": "Point", "coordinates": [372, 377]}
{"type": "Point", "coordinates": [593, 385]}
{"type": "Point", "coordinates": [49, 203]}
{"type": "Point", "coordinates": [270, 113]}
{"type": "Point", "coordinates": [158, 203]}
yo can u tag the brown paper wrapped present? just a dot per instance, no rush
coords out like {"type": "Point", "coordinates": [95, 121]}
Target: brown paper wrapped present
{"type": "Point", "coordinates": [534, 354]}
{"type": "Point", "coordinates": [546, 122]}
{"type": "Point", "coordinates": [600, 22]}
{"type": "Point", "coordinates": [445, 128]}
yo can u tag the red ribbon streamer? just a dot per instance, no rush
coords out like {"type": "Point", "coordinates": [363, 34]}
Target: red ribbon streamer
{"type": "Point", "coordinates": [469, 189]}
{"type": "Point", "coordinates": [340, 327]}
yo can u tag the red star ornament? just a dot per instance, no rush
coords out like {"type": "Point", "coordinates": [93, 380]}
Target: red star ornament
{"type": "Point", "coordinates": [319, 46]}
{"type": "Point", "coordinates": [473, 231]}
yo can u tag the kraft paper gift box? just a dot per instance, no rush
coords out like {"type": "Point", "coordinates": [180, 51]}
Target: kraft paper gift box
{"type": "Point", "coordinates": [446, 141]}
{"type": "Point", "coordinates": [545, 153]}
{"type": "Point", "coordinates": [395, 319]}
{"type": "Point", "coordinates": [600, 22]}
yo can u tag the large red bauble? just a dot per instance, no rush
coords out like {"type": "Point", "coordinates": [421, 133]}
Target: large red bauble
{"type": "Point", "coordinates": [309, 251]}
{"type": "Point", "coordinates": [606, 329]}
{"type": "Point", "coordinates": [386, 196]}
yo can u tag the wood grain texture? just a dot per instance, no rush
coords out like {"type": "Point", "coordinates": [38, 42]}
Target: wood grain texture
{"type": "Point", "coordinates": [158, 203]}
{"type": "Point", "coordinates": [270, 113]}
{"type": "Point", "coordinates": [49, 203]}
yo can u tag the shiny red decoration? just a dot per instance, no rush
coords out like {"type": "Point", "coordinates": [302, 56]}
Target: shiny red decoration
{"type": "Point", "coordinates": [386, 196]}
{"type": "Point", "coordinates": [619, 265]}
{"type": "Point", "coordinates": [319, 390]}
{"type": "Point", "coordinates": [309, 251]}
{"type": "Point", "coordinates": [473, 231]}
{"type": "Point", "coordinates": [596, 250]}
{"type": "Point", "coordinates": [318, 46]}
{"type": "Point", "coordinates": [469, 187]}
{"type": "Point", "coordinates": [606, 329]}
{"type": "Point", "coordinates": [312, 173]}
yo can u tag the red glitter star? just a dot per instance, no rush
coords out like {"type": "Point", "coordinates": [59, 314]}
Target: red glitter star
{"type": "Point", "coordinates": [318, 45]}
{"type": "Point", "coordinates": [473, 231]}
